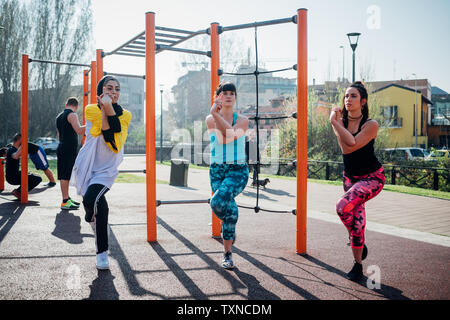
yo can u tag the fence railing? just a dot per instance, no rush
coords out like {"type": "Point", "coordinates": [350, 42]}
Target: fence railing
{"type": "Point", "coordinates": [415, 176]}
{"type": "Point", "coordinates": [435, 178]}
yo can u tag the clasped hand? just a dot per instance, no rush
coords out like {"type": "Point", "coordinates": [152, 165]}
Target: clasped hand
{"type": "Point", "coordinates": [336, 115]}
{"type": "Point", "coordinates": [104, 100]}
{"type": "Point", "coordinates": [217, 105]}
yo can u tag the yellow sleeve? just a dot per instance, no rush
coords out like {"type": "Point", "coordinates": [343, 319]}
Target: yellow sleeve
{"type": "Point", "coordinates": [93, 113]}
{"type": "Point", "coordinates": [120, 137]}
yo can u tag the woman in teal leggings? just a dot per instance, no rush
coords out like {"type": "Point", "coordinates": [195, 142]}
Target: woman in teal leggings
{"type": "Point", "coordinates": [228, 170]}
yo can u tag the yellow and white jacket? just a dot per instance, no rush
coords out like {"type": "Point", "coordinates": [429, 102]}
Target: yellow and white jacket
{"type": "Point", "coordinates": [98, 161]}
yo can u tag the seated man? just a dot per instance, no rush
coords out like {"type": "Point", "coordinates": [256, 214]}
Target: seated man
{"type": "Point", "coordinates": [13, 175]}
{"type": "Point", "coordinates": [39, 159]}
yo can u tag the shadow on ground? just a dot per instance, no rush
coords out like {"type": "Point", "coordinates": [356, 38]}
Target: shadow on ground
{"type": "Point", "coordinates": [255, 291]}
{"type": "Point", "coordinates": [68, 227]}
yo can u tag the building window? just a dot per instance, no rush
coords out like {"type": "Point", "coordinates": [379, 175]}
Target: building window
{"type": "Point", "coordinates": [390, 117]}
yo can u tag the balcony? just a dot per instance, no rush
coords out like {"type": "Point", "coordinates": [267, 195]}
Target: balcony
{"type": "Point", "coordinates": [392, 123]}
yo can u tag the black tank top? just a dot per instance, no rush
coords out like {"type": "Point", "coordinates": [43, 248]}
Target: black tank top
{"type": "Point", "coordinates": [362, 161]}
{"type": "Point", "coordinates": [68, 138]}
{"type": "Point", "coordinates": [12, 165]}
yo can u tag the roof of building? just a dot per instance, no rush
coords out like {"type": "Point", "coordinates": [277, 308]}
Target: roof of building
{"type": "Point", "coordinates": [404, 88]}
{"type": "Point", "coordinates": [437, 90]}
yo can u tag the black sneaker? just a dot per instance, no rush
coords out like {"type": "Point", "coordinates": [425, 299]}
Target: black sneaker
{"type": "Point", "coordinates": [50, 184]}
{"type": "Point", "coordinates": [364, 253]}
{"type": "Point", "coordinates": [356, 274]}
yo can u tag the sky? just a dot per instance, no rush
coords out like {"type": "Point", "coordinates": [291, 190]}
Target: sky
{"type": "Point", "coordinates": [398, 38]}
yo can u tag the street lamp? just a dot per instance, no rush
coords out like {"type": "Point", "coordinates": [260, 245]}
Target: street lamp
{"type": "Point", "coordinates": [353, 39]}
{"type": "Point", "coordinates": [161, 129]}
{"type": "Point", "coordinates": [343, 63]}
{"type": "Point", "coordinates": [415, 110]}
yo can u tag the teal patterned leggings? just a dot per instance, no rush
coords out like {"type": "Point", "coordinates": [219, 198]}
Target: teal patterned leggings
{"type": "Point", "coordinates": [227, 181]}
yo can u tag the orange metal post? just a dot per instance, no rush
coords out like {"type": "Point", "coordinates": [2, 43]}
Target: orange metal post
{"type": "Point", "coordinates": [85, 94]}
{"type": "Point", "coordinates": [302, 128]}
{"type": "Point", "coordinates": [93, 82]}
{"type": "Point", "coordinates": [2, 175]}
{"type": "Point", "coordinates": [150, 129]}
{"type": "Point", "coordinates": [24, 130]}
{"type": "Point", "coordinates": [99, 65]}
{"type": "Point", "coordinates": [216, 223]}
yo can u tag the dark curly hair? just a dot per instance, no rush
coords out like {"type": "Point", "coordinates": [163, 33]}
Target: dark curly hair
{"type": "Point", "coordinates": [103, 81]}
{"type": "Point", "coordinates": [365, 108]}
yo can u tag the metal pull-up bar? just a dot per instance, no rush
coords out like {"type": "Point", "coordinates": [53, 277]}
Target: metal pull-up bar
{"type": "Point", "coordinates": [124, 75]}
{"type": "Point", "coordinates": [160, 47]}
{"type": "Point", "coordinates": [136, 46]}
{"type": "Point", "coordinates": [260, 24]}
{"type": "Point", "coordinates": [59, 62]}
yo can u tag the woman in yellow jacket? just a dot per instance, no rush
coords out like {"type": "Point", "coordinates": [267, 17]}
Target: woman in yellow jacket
{"type": "Point", "coordinates": [96, 166]}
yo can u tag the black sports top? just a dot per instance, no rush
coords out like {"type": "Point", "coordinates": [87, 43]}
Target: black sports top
{"type": "Point", "coordinates": [68, 138]}
{"type": "Point", "coordinates": [12, 165]}
{"type": "Point", "coordinates": [362, 161]}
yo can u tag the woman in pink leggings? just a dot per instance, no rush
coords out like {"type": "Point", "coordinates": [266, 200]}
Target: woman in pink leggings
{"type": "Point", "coordinates": [363, 173]}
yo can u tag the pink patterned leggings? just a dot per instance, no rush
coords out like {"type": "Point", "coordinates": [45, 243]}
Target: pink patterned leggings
{"type": "Point", "coordinates": [350, 207]}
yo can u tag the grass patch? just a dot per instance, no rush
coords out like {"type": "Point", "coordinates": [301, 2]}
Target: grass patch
{"type": "Point", "coordinates": [192, 166]}
{"type": "Point", "coordinates": [133, 178]}
{"type": "Point", "coordinates": [388, 187]}
{"type": "Point", "coordinates": [121, 178]}
{"type": "Point", "coordinates": [333, 183]}
{"type": "Point", "coordinates": [129, 178]}
{"type": "Point", "coordinates": [51, 166]}
{"type": "Point", "coordinates": [418, 191]}
{"type": "Point", "coordinates": [398, 188]}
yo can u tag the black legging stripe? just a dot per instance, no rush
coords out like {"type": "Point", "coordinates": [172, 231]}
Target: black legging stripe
{"type": "Point", "coordinates": [97, 210]}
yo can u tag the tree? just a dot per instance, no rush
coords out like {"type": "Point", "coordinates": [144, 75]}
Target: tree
{"type": "Point", "coordinates": [47, 30]}
{"type": "Point", "coordinates": [13, 41]}
{"type": "Point", "coordinates": [322, 142]}
{"type": "Point", "coordinates": [61, 32]}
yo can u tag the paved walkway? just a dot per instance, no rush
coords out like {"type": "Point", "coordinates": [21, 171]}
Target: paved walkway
{"type": "Point", "coordinates": [409, 212]}
{"type": "Point", "coordinates": [47, 253]}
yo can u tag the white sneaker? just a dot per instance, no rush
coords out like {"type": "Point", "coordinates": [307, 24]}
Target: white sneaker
{"type": "Point", "coordinates": [102, 261]}
{"type": "Point", "coordinates": [227, 261]}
